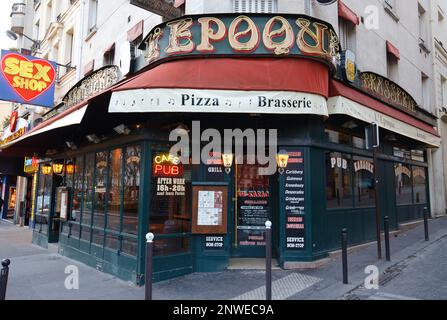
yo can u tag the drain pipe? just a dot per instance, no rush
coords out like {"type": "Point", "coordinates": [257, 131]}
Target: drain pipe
{"type": "Point", "coordinates": [83, 6]}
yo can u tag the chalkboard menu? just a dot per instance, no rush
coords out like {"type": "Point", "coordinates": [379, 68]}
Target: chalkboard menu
{"type": "Point", "coordinates": [295, 206]}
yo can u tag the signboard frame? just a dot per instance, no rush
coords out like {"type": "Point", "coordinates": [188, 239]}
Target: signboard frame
{"type": "Point", "coordinates": [220, 229]}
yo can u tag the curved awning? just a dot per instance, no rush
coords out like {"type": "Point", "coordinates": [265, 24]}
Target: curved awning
{"type": "Point", "coordinates": [348, 101]}
{"type": "Point", "coordinates": [225, 85]}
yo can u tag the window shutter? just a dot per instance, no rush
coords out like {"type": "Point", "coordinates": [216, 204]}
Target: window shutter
{"type": "Point", "coordinates": [254, 6]}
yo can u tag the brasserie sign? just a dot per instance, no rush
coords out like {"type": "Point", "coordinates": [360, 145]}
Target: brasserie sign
{"type": "Point", "coordinates": [229, 34]}
{"type": "Point", "coordinates": [388, 91]}
{"type": "Point", "coordinates": [91, 85]}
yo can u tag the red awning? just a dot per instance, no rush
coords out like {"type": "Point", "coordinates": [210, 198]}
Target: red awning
{"type": "Point", "coordinates": [391, 49]}
{"type": "Point", "coordinates": [110, 48]}
{"type": "Point", "coordinates": [346, 13]}
{"type": "Point", "coordinates": [135, 32]}
{"type": "Point", "coordinates": [339, 89]}
{"type": "Point", "coordinates": [178, 3]}
{"type": "Point", "coordinates": [246, 74]}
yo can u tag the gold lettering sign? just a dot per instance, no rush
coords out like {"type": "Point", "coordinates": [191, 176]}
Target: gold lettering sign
{"type": "Point", "coordinates": [226, 35]}
{"type": "Point", "coordinates": [386, 90]}
{"type": "Point", "coordinates": [209, 35]}
{"type": "Point", "coordinates": [281, 47]}
{"type": "Point", "coordinates": [251, 30]}
{"type": "Point", "coordinates": [13, 137]}
{"type": "Point", "coordinates": [180, 31]}
{"type": "Point", "coordinates": [91, 85]}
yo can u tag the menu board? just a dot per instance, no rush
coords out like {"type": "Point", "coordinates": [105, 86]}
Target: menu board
{"type": "Point", "coordinates": [295, 203]}
{"type": "Point", "coordinates": [210, 209]}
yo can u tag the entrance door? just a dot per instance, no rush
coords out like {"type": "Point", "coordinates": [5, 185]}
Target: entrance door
{"type": "Point", "coordinates": [252, 209]}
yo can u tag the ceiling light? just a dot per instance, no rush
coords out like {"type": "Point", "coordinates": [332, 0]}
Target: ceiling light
{"type": "Point", "coordinates": [122, 129]}
{"type": "Point", "coordinates": [71, 145]}
{"type": "Point", "coordinates": [93, 138]}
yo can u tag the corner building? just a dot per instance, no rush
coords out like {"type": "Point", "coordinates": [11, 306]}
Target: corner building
{"type": "Point", "coordinates": [229, 71]}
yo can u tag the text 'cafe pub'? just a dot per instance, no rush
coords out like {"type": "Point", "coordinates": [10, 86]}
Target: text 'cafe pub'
{"type": "Point", "coordinates": [227, 72]}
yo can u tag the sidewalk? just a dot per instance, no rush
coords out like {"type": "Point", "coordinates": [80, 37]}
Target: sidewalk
{"type": "Point", "coordinates": [37, 273]}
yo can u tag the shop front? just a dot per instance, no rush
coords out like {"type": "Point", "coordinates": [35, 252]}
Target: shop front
{"type": "Point", "coordinates": [268, 84]}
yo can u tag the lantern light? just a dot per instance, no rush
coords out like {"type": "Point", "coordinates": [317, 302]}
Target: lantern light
{"type": "Point", "coordinates": [227, 159]}
{"type": "Point", "coordinates": [282, 159]}
{"type": "Point", "coordinates": [58, 168]}
{"type": "Point", "coordinates": [47, 169]}
{"type": "Point", "coordinates": [70, 168]}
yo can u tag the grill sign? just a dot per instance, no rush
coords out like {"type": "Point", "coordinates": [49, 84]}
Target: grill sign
{"type": "Point", "coordinates": [26, 79]}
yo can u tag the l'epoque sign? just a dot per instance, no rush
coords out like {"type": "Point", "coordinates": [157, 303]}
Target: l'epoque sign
{"type": "Point", "coordinates": [27, 79]}
{"type": "Point", "coordinates": [255, 35]}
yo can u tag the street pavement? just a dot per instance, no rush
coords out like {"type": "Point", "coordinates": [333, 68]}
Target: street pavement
{"type": "Point", "coordinates": [417, 271]}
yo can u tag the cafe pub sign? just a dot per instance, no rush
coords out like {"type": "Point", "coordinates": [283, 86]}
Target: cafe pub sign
{"type": "Point", "coordinates": [257, 35]}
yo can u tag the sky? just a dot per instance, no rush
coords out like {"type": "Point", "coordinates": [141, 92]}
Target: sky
{"type": "Point", "coordinates": [5, 24]}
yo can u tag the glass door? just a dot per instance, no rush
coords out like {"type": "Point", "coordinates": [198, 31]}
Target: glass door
{"type": "Point", "coordinates": [252, 210]}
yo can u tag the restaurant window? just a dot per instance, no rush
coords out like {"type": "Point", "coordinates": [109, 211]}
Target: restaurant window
{"type": "Point", "coordinates": [87, 200]}
{"type": "Point", "coordinates": [170, 204]}
{"type": "Point", "coordinates": [114, 201]}
{"type": "Point", "coordinates": [364, 193]}
{"type": "Point", "coordinates": [418, 155]}
{"type": "Point", "coordinates": [339, 182]}
{"type": "Point", "coordinates": [402, 153]}
{"type": "Point", "coordinates": [419, 185]}
{"type": "Point", "coordinates": [131, 189]}
{"type": "Point", "coordinates": [338, 137]}
{"type": "Point", "coordinates": [403, 184]}
{"type": "Point", "coordinates": [43, 202]}
{"type": "Point", "coordinates": [100, 196]}
{"type": "Point", "coordinates": [78, 194]}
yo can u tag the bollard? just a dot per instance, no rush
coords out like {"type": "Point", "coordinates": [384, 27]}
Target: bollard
{"type": "Point", "coordinates": [427, 238]}
{"type": "Point", "coordinates": [4, 272]}
{"type": "Point", "coordinates": [387, 238]}
{"type": "Point", "coordinates": [148, 274]}
{"type": "Point", "coordinates": [268, 260]}
{"type": "Point", "coordinates": [344, 249]}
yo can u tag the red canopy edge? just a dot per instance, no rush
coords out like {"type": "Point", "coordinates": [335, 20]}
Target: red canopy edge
{"type": "Point", "coordinates": [339, 89]}
{"type": "Point", "coordinates": [347, 13]}
{"type": "Point", "coordinates": [245, 74]}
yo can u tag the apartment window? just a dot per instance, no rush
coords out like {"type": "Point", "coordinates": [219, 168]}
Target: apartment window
{"type": "Point", "coordinates": [443, 92]}
{"type": "Point", "coordinates": [109, 56]}
{"type": "Point", "coordinates": [422, 25]}
{"type": "Point", "coordinates": [392, 67]}
{"type": "Point", "coordinates": [92, 15]}
{"type": "Point", "coordinates": [425, 91]}
{"type": "Point", "coordinates": [134, 51]}
{"type": "Point", "coordinates": [37, 30]}
{"type": "Point", "coordinates": [255, 6]}
{"type": "Point", "coordinates": [347, 35]}
{"type": "Point", "coordinates": [69, 48]}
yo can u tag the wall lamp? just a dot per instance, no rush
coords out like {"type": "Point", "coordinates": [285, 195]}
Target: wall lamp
{"type": "Point", "coordinates": [227, 159]}
{"type": "Point", "coordinates": [58, 167]}
{"type": "Point", "coordinates": [47, 169]}
{"type": "Point", "coordinates": [14, 36]}
{"type": "Point", "coordinates": [282, 159]}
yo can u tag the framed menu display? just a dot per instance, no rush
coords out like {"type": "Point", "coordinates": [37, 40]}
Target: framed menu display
{"type": "Point", "coordinates": [210, 209]}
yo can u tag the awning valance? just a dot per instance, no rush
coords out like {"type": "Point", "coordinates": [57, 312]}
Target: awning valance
{"type": "Point", "coordinates": [70, 119]}
{"type": "Point", "coordinates": [346, 13]}
{"type": "Point", "coordinates": [345, 106]}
